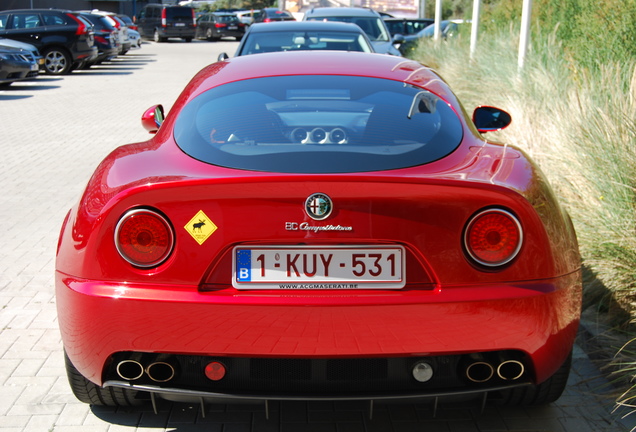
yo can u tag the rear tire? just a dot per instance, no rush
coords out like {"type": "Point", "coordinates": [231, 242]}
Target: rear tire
{"type": "Point", "coordinates": [57, 61]}
{"type": "Point", "coordinates": [542, 394]}
{"type": "Point", "coordinates": [157, 37]}
{"type": "Point", "coordinates": [91, 393]}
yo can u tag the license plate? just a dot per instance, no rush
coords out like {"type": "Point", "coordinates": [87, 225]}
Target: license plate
{"type": "Point", "coordinates": [179, 24]}
{"type": "Point", "coordinates": [232, 27]}
{"type": "Point", "coordinates": [346, 267]}
{"type": "Point", "coordinates": [34, 67]}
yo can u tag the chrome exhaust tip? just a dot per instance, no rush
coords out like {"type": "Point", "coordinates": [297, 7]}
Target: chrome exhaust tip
{"type": "Point", "coordinates": [130, 370]}
{"type": "Point", "coordinates": [160, 371]}
{"type": "Point", "coordinates": [510, 370]}
{"type": "Point", "coordinates": [480, 371]}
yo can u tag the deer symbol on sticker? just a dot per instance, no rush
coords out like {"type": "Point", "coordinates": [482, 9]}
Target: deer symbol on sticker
{"type": "Point", "coordinates": [200, 227]}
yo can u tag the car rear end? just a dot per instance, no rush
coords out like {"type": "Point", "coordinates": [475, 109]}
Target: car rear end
{"type": "Point", "coordinates": [178, 22]}
{"type": "Point", "coordinates": [105, 35]}
{"type": "Point", "coordinates": [81, 43]}
{"type": "Point", "coordinates": [229, 25]}
{"type": "Point", "coordinates": [217, 268]}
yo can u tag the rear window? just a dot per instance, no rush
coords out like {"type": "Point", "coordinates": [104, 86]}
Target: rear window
{"type": "Point", "coordinates": [304, 41]}
{"type": "Point", "coordinates": [372, 26]}
{"type": "Point", "coordinates": [317, 124]}
{"type": "Point", "coordinates": [226, 18]}
{"type": "Point", "coordinates": [179, 13]}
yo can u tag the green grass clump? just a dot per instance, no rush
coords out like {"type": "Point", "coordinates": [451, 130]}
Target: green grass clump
{"type": "Point", "coordinates": [579, 124]}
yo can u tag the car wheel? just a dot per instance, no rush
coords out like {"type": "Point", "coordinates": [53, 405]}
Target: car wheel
{"type": "Point", "coordinates": [90, 393]}
{"type": "Point", "coordinates": [544, 393]}
{"type": "Point", "coordinates": [238, 38]}
{"type": "Point", "coordinates": [157, 37]}
{"type": "Point", "coordinates": [208, 34]}
{"type": "Point", "coordinates": [57, 61]}
{"type": "Point", "coordinates": [188, 39]}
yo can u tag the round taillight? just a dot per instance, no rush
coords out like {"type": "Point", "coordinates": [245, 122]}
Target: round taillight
{"type": "Point", "coordinates": [493, 237]}
{"type": "Point", "coordinates": [144, 238]}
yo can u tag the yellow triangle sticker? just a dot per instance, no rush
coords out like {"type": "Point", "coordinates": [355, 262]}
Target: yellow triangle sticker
{"type": "Point", "coordinates": [200, 227]}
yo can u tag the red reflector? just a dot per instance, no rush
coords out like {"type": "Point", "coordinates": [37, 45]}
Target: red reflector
{"type": "Point", "coordinates": [144, 238]}
{"type": "Point", "coordinates": [493, 237]}
{"type": "Point", "coordinates": [215, 371]}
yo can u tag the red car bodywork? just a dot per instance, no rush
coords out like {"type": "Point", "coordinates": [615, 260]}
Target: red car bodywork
{"type": "Point", "coordinates": [187, 305]}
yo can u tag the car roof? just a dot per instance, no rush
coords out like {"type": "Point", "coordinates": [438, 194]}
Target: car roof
{"type": "Point", "coordinates": [303, 25]}
{"type": "Point", "coordinates": [318, 63]}
{"type": "Point", "coordinates": [35, 10]}
{"type": "Point", "coordinates": [341, 11]}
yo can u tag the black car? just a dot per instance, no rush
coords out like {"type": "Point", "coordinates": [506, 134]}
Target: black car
{"type": "Point", "coordinates": [272, 15]}
{"type": "Point", "coordinates": [16, 64]}
{"type": "Point", "coordinates": [106, 37]}
{"type": "Point", "coordinates": [64, 40]}
{"type": "Point", "coordinates": [448, 29]}
{"type": "Point", "coordinates": [406, 26]}
{"type": "Point", "coordinates": [214, 26]}
{"type": "Point", "coordinates": [302, 36]}
{"type": "Point", "coordinates": [368, 20]}
{"type": "Point", "coordinates": [160, 22]}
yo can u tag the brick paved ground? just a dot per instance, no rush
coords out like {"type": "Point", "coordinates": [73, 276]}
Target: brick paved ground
{"type": "Point", "coordinates": [53, 132]}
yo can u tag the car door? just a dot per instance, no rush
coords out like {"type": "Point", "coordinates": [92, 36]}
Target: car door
{"type": "Point", "coordinates": [23, 26]}
{"type": "Point", "coordinates": [143, 22]}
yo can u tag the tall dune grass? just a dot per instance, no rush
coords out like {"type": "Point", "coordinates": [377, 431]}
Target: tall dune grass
{"type": "Point", "coordinates": [580, 127]}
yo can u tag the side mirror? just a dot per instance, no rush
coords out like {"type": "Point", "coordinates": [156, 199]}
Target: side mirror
{"type": "Point", "coordinates": [398, 39]}
{"type": "Point", "coordinates": [223, 56]}
{"type": "Point", "coordinates": [152, 118]}
{"type": "Point", "coordinates": [490, 119]}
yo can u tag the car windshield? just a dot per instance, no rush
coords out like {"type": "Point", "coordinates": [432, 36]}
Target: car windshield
{"type": "Point", "coordinates": [317, 124]}
{"type": "Point", "coordinates": [372, 26]}
{"type": "Point", "coordinates": [303, 41]}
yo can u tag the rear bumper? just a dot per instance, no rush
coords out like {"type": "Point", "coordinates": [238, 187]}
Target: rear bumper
{"type": "Point", "coordinates": [98, 319]}
{"type": "Point", "coordinates": [177, 32]}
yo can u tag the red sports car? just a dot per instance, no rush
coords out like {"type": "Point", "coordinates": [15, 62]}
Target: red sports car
{"type": "Point", "coordinates": [318, 225]}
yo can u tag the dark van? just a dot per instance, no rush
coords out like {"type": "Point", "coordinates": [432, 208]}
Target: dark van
{"type": "Point", "coordinates": [160, 22]}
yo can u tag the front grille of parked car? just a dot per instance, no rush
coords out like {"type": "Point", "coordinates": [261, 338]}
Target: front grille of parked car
{"type": "Point", "coordinates": [315, 377]}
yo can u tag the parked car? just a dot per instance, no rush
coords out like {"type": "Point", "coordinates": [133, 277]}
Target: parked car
{"type": "Point", "coordinates": [302, 36]}
{"type": "Point", "coordinates": [106, 37]}
{"type": "Point", "coordinates": [272, 15]}
{"type": "Point", "coordinates": [62, 38]}
{"type": "Point", "coordinates": [119, 25]}
{"type": "Point", "coordinates": [135, 38]}
{"type": "Point", "coordinates": [247, 16]}
{"type": "Point", "coordinates": [448, 28]}
{"type": "Point", "coordinates": [128, 21]}
{"type": "Point", "coordinates": [160, 22]}
{"type": "Point", "coordinates": [217, 25]}
{"type": "Point", "coordinates": [406, 26]}
{"type": "Point", "coordinates": [4, 42]}
{"type": "Point", "coordinates": [368, 20]}
{"type": "Point", "coordinates": [318, 224]}
{"type": "Point", "coordinates": [16, 64]}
